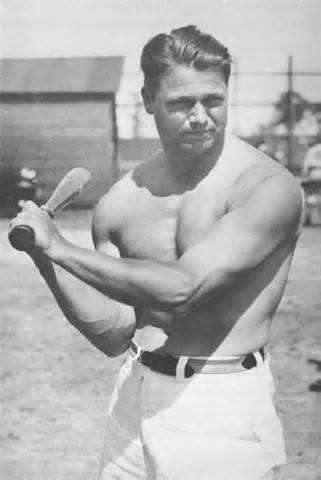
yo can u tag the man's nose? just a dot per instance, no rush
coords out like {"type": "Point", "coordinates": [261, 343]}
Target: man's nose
{"type": "Point", "coordinates": [198, 116]}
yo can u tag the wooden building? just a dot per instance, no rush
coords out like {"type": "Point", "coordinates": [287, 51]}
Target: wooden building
{"type": "Point", "coordinates": [59, 113]}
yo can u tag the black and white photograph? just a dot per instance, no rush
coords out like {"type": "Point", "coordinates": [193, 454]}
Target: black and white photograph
{"type": "Point", "coordinates": [160, 239]}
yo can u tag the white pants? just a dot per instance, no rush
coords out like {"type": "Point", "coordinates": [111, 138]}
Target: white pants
{"type": "Point", "coordinates": [207, 427]}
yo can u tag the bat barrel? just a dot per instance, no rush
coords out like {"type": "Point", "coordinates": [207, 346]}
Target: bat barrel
{"type": "Point", "coordinates": [22, 238]}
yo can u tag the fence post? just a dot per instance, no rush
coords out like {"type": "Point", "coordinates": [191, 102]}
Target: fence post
{"type": "Point", "coordinates": [290, 122]}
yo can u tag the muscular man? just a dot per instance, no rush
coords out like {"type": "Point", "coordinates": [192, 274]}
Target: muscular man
{"type": "Point", "coordinates": [192, 253]}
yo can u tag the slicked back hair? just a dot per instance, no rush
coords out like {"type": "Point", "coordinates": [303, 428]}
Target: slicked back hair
{"type": "Point", "coordinates": [183, 46]}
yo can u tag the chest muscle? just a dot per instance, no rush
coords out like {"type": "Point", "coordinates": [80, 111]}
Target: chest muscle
{"type": "Point", "coordinates": [163, 228]}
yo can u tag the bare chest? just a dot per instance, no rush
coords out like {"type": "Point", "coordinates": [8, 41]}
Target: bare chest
{"type": "Point", "coordinates": [163, 228]}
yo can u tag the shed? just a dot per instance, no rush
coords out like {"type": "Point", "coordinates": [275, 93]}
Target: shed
{"type": "Point", "coordinates": [58, 113]}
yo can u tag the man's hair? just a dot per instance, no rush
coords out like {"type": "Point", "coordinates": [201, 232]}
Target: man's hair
{"type": "Point", "coordinates": [183, 46]}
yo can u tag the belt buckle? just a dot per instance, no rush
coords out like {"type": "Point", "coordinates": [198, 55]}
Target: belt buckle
{"type": "Point", "coordinates": [164, 364]}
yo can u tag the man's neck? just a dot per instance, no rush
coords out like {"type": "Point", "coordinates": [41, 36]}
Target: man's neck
{"type": "Point", "coordinates": [190, 169]}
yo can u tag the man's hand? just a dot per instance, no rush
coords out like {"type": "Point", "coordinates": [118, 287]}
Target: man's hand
{"type": "Point", "coordinates": [45, 230]}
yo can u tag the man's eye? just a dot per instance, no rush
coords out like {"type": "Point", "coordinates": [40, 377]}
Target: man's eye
{"type": "Point", "coordinates": [180, 105]}
{"type": "Point", "coordinates": [213, 101]}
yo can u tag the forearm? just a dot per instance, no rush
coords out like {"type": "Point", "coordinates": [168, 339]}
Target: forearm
{"type": "Point", "coordinates": [106, 323]}
{"type": "Point", "coordinates": [139, 283]}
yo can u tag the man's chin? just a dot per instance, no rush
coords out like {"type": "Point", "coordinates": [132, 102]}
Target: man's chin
{"type": "Point", "coordinates": [197, 148]}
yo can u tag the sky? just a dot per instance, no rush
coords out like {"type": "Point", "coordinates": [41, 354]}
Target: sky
{"type": "Point", "coordinates": [260, 35]}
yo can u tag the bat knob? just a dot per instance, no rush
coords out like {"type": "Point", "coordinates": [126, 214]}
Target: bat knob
{"type": "Point", "coordinates": [22, 238]}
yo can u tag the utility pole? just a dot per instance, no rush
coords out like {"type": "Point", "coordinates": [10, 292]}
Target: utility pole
{"type": "Point", "coordinates": [291, 121]}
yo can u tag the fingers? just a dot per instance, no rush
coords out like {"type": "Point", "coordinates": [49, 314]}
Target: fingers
{"type": "Point", "coordinates": [23, 218]}
{"type": "Point", "coordinates": [27, 216]}
{"type": "Point", "coordinates": [30, 205]}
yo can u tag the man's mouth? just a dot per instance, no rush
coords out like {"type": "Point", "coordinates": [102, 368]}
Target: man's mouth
{"type": "Point", "coordinates": [198, 135]}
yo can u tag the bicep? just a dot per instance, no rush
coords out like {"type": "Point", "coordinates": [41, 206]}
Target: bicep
{"type": "Point", "coordinates": [247, 234]}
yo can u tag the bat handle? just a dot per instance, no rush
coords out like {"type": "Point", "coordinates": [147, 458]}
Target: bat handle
{"type": "Point", "coordinates": [22, 237]}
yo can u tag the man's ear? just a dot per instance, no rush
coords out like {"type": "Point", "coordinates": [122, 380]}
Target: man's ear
{"type": "Point", "coordinates": [148, 101]}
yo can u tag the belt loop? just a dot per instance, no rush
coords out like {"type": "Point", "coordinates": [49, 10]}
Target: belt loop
{"type": "Point", "coordinates": [135, 350]}
{"type": "Point", "coordinates": [258, 358]}
{"type": "Point", "coordinates": [180, 368]}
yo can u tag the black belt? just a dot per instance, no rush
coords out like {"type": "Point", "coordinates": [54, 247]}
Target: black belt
{"type": "Point", "coordinates": [167, 364]}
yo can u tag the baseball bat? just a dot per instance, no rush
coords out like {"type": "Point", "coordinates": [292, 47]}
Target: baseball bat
{"type": "Point", "coordinates": [22, 237]}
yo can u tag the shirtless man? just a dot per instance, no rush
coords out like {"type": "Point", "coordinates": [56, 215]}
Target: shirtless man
{"type": "Point", "coordinates": [192, 253]}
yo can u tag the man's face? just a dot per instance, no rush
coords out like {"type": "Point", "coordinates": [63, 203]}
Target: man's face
{"type": "Point", "coordinates": [190, 109]}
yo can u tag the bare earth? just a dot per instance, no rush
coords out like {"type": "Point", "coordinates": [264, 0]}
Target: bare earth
{"type": "Point", "coordinates": [56, 386]}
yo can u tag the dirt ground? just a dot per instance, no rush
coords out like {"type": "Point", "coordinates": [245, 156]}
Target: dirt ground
{"type": "Point", "coordinates": [56, 386]}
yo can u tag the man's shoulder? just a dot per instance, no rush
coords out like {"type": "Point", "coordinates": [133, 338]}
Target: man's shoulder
{"type": "Point", "coordinates": [121, 190]}
{"type": "Point", "coordinates": [108, 209]}
{"type": "Point", "coordinates": [130, 184]}
{"type": "Point", "coordinates": [255, 167]}
{"type": "Point", "coordinates": [266, 179]}
{"type": "Point", "coordinates": [148, 169]}
{"type": "Point", "coordinates": [244, 150]}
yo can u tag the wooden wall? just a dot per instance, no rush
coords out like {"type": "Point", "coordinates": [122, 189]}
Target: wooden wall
{"type": "Point", "coordinates": [53, 133]}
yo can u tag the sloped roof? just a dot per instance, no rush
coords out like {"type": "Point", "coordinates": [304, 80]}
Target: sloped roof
{"type": "Point", "coordinates": [77, 74]}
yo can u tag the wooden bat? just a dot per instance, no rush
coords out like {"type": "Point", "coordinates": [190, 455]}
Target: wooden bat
{"type": "Point", "coordinates": [22, 237]}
